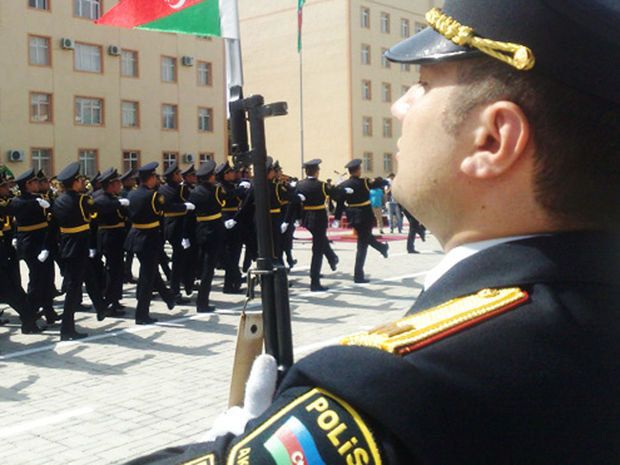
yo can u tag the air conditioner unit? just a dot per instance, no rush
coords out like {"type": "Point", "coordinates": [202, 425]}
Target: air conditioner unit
{"type": "Point", "coordinates": [67, 44]}
{"type": "Point", "coordinates": [114, 50]}
{"type": "Point", "coordinates": [15, 155]}
{"type": "Point", "coordinates": [187, 61]}
{"type": "Point", "coordinates": [189, 158]}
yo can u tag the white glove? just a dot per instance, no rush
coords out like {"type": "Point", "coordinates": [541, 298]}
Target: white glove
{"type": "Point", "coordinates": [283, 227]}
{"type": "Point", "coordinates": [44, 255]}
{"type": "Point", "coordinates": [43, 203]}
{"type": "Point", "coordinates": [229, 224]}
{"type": "Point", "coordinates": [92, 253]}
{"type": "Point", "coordinates": [190, 206]}
{"type": "Point", "coordinates": [293, 183]}
{"type": "Point", "coordinates": [186, 244]}
{"type": "Point", "coordinates": [14, 242]}
{"type": "Point", "coordinates": [302, 197]}
{"type": "Point", "coordinates": [336, 224]}
{"type": "Point", "coordinates": [259, 392]}
{"type": "Point", "coordinates": [245, 185]}
{"type": "Point", "coordinates": [124, 202]}
{"type": "Point", "coordinates": [348, 190]}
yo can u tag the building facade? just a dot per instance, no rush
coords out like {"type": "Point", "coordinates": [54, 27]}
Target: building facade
{"type": "Point", "coordinates": [348, 88]}
{"type": "Point", "coordinates": [74, 91]}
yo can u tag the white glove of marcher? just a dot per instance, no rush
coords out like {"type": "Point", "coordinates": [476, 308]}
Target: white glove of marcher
{"type": "Point", "coordinates": [186, 244]}
{"type": "Point", "coordinates": [44, 255]}
{"type": "Point", "coordinates": [302, 197]}
{"type": "Point", "coordinates": [259, 391]}
{"type": "Point", "coordinates": [43, 203]}
{"type": "Point", "coordinates": [92, 253]}
{"type": "Point", "coordinates": [124, 202]}
{"type": "Point", "coordinates": [336, 224]}
{"type": "Point", "coordinates": [283, 227]}
{"type": "Point", "coordinates": [245, 185]}
{"type": "Point", "coordinates": [293, 184]}
{"type": "Point", "coordinates": [229, 224]}
{"type": "Point", "coordinates": [348, 190]}
{"type": "Point", "coordinates": [14, 242]}
{"type": "Point", "coordinates": [190, 206]}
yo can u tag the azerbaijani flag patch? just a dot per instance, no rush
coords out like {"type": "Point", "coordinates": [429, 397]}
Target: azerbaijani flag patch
{"type": "Point", "coordinates": [316, 428]}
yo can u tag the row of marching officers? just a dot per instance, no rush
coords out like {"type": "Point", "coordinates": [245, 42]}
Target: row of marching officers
{"type": "Point", "coordinates": [207, 217]}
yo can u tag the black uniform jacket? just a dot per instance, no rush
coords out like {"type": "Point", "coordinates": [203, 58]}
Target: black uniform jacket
{"type": "Point", "coordinates": [111, 217]}
{"type": "Point", "coordinates": [175, 195]}
{"type": "Point", "coordinates": [72, 213]}
{"type": "Point", "coordinates": [145, 210]}
{"type": "Point", "coordinates": [317, 193]}
{"type": "Point", "coordinates": [206, 219]}
{"type": "Point", "coordinates": [357, 204]}
{"type": "Point", "coordinates": [33, 233]}
{"type": "Point", "coordinates": [536, 382]}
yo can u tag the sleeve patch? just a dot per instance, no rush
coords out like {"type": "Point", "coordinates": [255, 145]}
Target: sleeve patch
{"type": "Point", "coordinates": [317, 428]}
{"type": "Point", "coordinates": [208, 459]}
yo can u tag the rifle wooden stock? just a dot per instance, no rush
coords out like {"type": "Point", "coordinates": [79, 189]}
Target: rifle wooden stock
{"type": "Point", "coordinates": [249, 346]}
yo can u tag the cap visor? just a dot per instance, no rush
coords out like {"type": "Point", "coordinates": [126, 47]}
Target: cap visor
{"type": "Point", "coordinates": [428, 46]}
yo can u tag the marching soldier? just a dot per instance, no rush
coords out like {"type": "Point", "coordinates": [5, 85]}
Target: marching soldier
{"type": "Point", "coordinates": [288, 215]}
{"type": "Point", "coordinates": [73, 211]}
{"type": "Point", "coordinates": [128, 179]}
{"type": "Point", "coordinates": [360, 216]}
{"type": "Point", "coordinates": [192, 267]}
{"type": "Point", "coordinates": [111, 215]}
{"type": "Point", "coordinates": [145, 240]}
{"type": "Point", "coordinates": [314, 218]}
{"type": "Point", "coordinates": [279, 196]}
{"type": "Point", "coordinates": [245, 217]}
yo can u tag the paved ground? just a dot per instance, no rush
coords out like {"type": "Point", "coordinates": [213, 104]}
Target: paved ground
{"type": "Point", "coordinates": [128, 390]}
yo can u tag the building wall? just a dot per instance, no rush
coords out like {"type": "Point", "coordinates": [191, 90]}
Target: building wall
{"type": "Point", "coordinates": [18, 79]}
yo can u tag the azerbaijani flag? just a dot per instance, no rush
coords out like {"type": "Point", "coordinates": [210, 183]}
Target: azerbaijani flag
{"type": "Point", "coordinates": [199, 17]}
{"type": "Point", "coordinates": [292, 443]}
{"type": "Point", "coordinates": [300, 20]}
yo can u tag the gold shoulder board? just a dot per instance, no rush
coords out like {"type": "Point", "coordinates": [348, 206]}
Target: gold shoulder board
{"type": "Point", "coordinates": [421, 329]}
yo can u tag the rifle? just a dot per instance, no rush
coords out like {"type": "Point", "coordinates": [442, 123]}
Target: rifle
{"type": "Point", "coordinates": [273, 326]}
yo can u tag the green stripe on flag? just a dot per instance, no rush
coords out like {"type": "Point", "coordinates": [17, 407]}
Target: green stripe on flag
{"type": "Point", "coordinates": [200, 19]}
{"type": "Point", "coordinates": [278, 451]}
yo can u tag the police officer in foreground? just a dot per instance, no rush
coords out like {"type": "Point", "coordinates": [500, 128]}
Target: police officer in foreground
{"type": "Point", "coordinates": [356, 200]}
{"type": "Point", "coordinates": [510, 154]}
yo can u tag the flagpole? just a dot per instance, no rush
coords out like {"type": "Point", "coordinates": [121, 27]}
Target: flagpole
{"type": "Point", "coordinates": [301, 106]}
{"type": "Point", "coordinates": [232, 46]}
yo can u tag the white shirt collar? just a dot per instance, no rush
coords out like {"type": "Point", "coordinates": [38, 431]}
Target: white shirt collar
{"type": "Point", "coordinates": [460, 253]}
{"type": "Point", "coordinates": [311, 177]}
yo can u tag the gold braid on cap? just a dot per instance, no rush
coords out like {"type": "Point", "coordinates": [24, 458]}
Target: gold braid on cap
{"type": "Point", "coordinates": [517, 56]}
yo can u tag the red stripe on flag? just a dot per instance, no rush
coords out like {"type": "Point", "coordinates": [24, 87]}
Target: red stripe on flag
{"type": "Point", "coordinates": [133, 13]}
{"type": "Point", "coordinates": [289, 440]}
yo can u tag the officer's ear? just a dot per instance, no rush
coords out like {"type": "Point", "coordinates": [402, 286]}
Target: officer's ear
{"type": "Point", "coordinates": [502, 137]}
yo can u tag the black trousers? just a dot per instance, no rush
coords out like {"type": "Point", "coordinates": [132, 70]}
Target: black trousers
{"type": "Point", "coordinates": [40, 277]}
{"type": "Point", "coordinates": [178, 266]}
{"type": "Point", "coordinates": [149, 280]}
{"type": "Point", "coordinates": [364, 239]}
{"type": "Point", "coordinates": [114, 278]}
{"type": "Point", "coordinates": [231, 254]}
{"type": "Point", "coordinates": [209, 255]}
{"type": "Point", "coordinates": [320, 248]}
{"type": "Point", "coordinates": [79, 270]}
{"type": "Point", "coordinates": [277, 237]}
{"type": "Point", "coordinates": [12, 293]}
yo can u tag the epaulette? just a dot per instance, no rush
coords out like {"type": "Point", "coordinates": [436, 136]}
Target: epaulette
{"type": "Point", "coordinates": [422, 329]}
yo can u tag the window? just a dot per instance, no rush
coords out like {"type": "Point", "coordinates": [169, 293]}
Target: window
{"type": "Point", "coordinates": [388, 165]}
{"type": "Point", "coordinates": [419, 27]}
{"type": "Point", "coordinates": [367, 161]}
{"type": "Point", "coordinates": [40, 107]}
{"type": "Point", "coordinates": [42, 160]}
{"type": "Point", "coordinates": [366, 90]}
{"type": "Point", "coordinates": [205, 119]}
{"type": "Point", "coordinates": [129, 63]}
{"type": "Point", "coordinates": [205, 74]}
{"type": "Point", "coordinates": [367, 126]}
{"type": "Point", "coordinates": [386, 92]}
{"type": "Point", "coordinates": [39, 51]}
{"type": "Point", "coordinates": [385, 63]}
{"type": "Point", "coordinates": [88, 111]}
{"type": "Point", "coordinates": [88, 162]}
{"type": "Point", "coordinates": [168, 69]}
{"type": "Point", "coordinates": [387, 127]}
{"type": "Point", "coordinates": [39, 4]}
{"type": "Point", "coordinates": [405, 67]}
{"type": "Point", "coordinates": [169, 116]}
{"type": "Point", "coordinates": [404, 28]}
{"type": "Point", "coordinates": [204, 156]}
{"type": "Point", "coordinates": [89, 9]}
{"type": "Point", "coordinates": [365, 18]}
{"type": "Point", "coordinates": [131, 160]}
{"type": "Point", "coordinates": [365, 54]}
{"type": "Point", "coordinates": [130, 114]}
{"type": "Point", "coordinates": [169, 159]}
{"type": "Point", "coordinates": [385, 23]}
{"type": "Point", "coordinates": [87, 58]}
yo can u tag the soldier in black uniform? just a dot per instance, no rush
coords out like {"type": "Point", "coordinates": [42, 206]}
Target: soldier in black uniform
{"type": "Point", "coordinates": [128, 179]}
{"type": "Point", "coordinates": [356, 199]}
{"type": "Point", "coordinates": [512, 131]}
{"type": "Point", "coordinates": [278, 198]}
{"type": "Point", "coordinates": [145, 240]}
{"type": "Point", "coordinates": [206, 221]}
{"type": "Point", "coordinates": [34, 242]}
{"type": "Point", "coordinates": [111, 230]}
{"type": "Point", "coordinates": [192, 267]}
{"type": "Point", "coordinates": [314, 218]}
{"type": "Point", "coordinates": [245, 217]}
{"type": "Point", "coordinates": [175, 195]}
{"type": "Point", "coordinates": [8, 232]}
{"type": "Point", "coordinates": [73, 212]}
